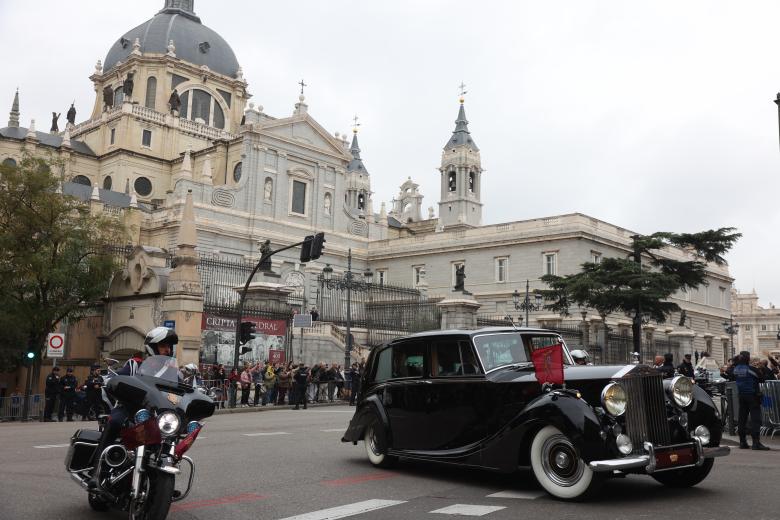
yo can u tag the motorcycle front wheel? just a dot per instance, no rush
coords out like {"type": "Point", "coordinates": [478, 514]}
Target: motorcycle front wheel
{"type": "Point", "coordinates": [158, 501]}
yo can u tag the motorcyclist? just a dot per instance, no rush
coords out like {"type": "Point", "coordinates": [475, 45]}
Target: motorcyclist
{"type": "Point", "coordinates": [580, 357]}
{"type": "Point", "coordinates": [160, 341]}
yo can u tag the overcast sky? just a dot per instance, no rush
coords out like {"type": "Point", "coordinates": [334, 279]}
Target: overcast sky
{"type": "Point", "coordinates": [649, 115]}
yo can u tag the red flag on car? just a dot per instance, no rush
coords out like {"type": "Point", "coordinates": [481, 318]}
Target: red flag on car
{"type": "Point", "coordinates": [548, 362]}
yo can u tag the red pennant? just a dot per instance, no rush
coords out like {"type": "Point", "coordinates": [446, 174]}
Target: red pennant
{"type": "Point", "coordinates": [548, 362]}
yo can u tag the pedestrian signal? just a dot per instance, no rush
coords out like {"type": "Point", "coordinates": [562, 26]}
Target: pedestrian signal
{"type": "Point", "coordinates": [247, 332]}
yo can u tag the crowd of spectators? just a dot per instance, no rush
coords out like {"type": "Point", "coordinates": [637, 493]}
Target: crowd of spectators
{"type": "Point", "coordinates": [264, 383]}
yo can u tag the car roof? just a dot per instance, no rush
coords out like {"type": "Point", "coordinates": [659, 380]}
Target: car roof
{"type": "Point", "coordinates": [474, 332]}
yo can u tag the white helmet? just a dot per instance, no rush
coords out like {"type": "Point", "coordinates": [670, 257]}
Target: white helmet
{"type": "Point", "coordinates": [160, 335]}
{"type": "Point", "coordinates": [581, 357]}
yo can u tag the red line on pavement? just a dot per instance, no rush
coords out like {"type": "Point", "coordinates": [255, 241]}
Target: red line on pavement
{"type": "Point", "coordinates": [358, 479]}
{"type": "Point", "coordinates": [246, 497]}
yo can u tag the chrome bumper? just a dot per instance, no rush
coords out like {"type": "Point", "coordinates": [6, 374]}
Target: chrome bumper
{"type": "Point", "coordinates": [648, 461]}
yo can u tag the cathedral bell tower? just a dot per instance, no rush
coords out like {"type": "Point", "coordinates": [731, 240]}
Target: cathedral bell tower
{"type": "Point", "coordinates": [460, 205]}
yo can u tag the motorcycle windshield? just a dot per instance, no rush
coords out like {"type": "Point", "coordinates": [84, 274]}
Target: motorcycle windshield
{"type": "Point", "coordinates": [162, 367]}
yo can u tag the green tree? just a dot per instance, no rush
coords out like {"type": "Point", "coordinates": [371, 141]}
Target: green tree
{"type": "Point", "coordinates": [640, 285]}
{"type": "Point", "coordinates": [53, 256]}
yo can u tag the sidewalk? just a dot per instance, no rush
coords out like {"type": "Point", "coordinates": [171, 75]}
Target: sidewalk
{"type": "Point", "coordinates": [733, 440]}
{"type": "Point", "coordinates": [270, 407]}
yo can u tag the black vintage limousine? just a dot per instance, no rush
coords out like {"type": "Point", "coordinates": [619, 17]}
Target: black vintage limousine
{"type": "Point", "coordinates": [471, 398]}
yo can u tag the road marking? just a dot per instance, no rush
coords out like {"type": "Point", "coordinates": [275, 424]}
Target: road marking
{"type": "Point", "coordinates": [332, 411]}
{"type": "Point", "coordinates": [246, 497]}
{"type": "Point", "coordinates": [45, 446]}
{"type": "Point", "coordinates": [333, 430]}
{"type": "Point", "coordinates": [529, 495]}
{"type": "Point", "coordinates": [262, 434]}
{"type": "Point", "coordinates": [468, 510]}
{"type": "Point", "coordinates": [358, 479]}
{"type": "Point", "coordinates": [347, 510]}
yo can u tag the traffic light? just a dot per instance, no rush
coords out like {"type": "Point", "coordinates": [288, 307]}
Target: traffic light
{"type": "Point", "coordinates": [28, 357]}
{"type": "Point", "coordinates": [317, 245]}
{"type": "Point", "coordinates": [306, 248]}
{"type": "Point", "coordinates": [247, 332]}
{"type": "Point", "coordinates": [244, 350]}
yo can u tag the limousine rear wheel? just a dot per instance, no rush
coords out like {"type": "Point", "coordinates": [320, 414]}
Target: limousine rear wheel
{"type": "Point", "coordinates": [558, 467]}
{"type": "Point", "coordinates": [376, 446]}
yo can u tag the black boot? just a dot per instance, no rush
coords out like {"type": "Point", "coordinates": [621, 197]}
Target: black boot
{"type": "Point", "coordinates": [758, 446]}
{"type": "Point", "coordinates": [743, 445]}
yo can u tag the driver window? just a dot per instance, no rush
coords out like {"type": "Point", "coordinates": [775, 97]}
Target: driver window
{"type": "Point", "coordinates": [408, 359]}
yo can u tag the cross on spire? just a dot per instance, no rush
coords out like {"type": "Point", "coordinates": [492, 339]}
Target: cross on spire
{"type": "Point", "coordinates": [463, 90]}
{"type": "Point", "coordinates": [302, 84]}
{"type": "Point", "coordinates": [355, 123]}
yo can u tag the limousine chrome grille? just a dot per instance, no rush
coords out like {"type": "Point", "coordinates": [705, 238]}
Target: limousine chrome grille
{"type": "Point", "coordinates": [646, 410]}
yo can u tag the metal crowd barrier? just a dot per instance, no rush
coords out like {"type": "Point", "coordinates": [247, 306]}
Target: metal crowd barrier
{"type": "Point", "coordinates": [770, 408]}
{"type": "Point", "coordinates": [11, 408]}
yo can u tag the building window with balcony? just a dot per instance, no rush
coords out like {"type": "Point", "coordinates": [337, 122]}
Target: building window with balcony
{"type": "Point", "coordinates": [500, 270]}
{"type": "Point", "coordinates": [550, 263]}
{"type": "Point", "coordinates": [200, 106]}
{"type": "Point", "coordinates": [298, 198]}
{"type": "Point", "coordinates": [381, 276]}
{"type": "Point", "coordinates": [595, 257]}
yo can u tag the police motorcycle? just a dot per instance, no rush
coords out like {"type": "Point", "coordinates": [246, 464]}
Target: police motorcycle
{"type": "Point", "coordinates": [136, 470]}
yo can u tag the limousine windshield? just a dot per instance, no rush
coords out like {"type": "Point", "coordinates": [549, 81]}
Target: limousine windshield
{"type": "Point", "coordinates": [509, 348]}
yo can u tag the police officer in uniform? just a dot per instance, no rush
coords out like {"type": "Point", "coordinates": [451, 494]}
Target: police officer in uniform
{"type": "Point", "coordinates": [68, 395]}
{"type": "Point", "coordinates": [748, 380]}
{"type": "Point", "coordinates": [53, 389]}
{"type": "Point", "coordinates": [94, 385]}
{"type": "Point", "coordinates": [301, 381]}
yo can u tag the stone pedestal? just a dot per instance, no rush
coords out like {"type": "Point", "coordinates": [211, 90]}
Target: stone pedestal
{"type": "Point", "coordinates": [459, 311]}
{"type": "Point", "coordinates": [266, 292]}
{"type": "Point", "coordinates": [685, 337]}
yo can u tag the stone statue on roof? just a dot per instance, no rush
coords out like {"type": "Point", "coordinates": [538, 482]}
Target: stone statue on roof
{"type": "Point", "coordinates": [71, 115]}
{"type": "Point", "coordinates": [108, 96]}
{"type": "Point", "coordinates": [54, 121]}
{"type": "Point", "coordinates": [174, 102]}
{"type": "Point", "coordinates": [127, 86]}
{"type": "Point", "coordinates": [460, 277]}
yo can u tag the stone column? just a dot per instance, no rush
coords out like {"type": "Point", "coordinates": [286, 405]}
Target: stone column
{"type": "Point", "coordinates": [459, 311]}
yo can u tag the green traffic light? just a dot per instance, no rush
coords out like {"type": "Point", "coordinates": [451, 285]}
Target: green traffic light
{"type": "Point", "coordinates": [30, 355]}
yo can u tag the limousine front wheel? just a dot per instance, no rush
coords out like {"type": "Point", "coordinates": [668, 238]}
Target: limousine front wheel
{"type": "Point", "coordinates": [558, 467]}
{"type": "Point", "coordinates": [376, 447]}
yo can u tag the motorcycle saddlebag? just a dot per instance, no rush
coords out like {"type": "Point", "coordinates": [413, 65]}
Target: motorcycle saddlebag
{"type": "Point", "coordinates": [82, 448]}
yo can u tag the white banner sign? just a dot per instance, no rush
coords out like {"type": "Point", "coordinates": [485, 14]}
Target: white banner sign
{"type": "Point", "coordinates": [55, 345]}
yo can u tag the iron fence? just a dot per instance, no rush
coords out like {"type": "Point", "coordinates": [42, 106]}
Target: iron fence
{"type": "Point", "coordinates": [384, 311]}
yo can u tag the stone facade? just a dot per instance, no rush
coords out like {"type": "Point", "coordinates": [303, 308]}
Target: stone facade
{"type": "Point", "coordinates": [759, 327]}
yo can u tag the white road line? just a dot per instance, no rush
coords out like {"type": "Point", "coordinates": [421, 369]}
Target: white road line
{"type": "Point", "coordinates": [529, 495]}
{"type": "Point", "coordinates": [348, 510]}
{"type": "Point", "coordinates": [331, 411]}
{"type": "Point", "coordinates": [468, 510]}
{"type": "Point", "coordinates": [262, 434]}
{"type": "Point", "coordinates": [333, 430]}
{"type": "Point", "coordinates": [45, 446]}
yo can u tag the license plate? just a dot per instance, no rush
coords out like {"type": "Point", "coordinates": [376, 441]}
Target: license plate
{"type": "Point", "coordinates": [675, 456]}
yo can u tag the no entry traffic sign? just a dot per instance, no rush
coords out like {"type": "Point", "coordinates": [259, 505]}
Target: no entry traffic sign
{"type": "Point", "coordinates": [55, 345]}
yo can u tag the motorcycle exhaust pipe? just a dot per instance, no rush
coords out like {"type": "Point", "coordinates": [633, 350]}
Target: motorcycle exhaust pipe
{"type": "Point", "coordinates": [80, 480]}
{"type": "Point", "coordinates": [115, 455]}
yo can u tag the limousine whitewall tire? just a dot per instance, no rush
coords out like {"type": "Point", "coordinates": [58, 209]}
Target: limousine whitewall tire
{"type": "Point", "coordinates": [376, 446]}
{"type": "Point", "coordinates": [558, 467]}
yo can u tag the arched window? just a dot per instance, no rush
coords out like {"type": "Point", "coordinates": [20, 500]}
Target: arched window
{"type": "Point", "coordinates": [80, 179]}
{"type": "Point", "coordinates": [151, 92]}
{"type": "Point", "coordinates": [107, 183]}
{"type": "Point", "coordinates": [361, 201]}
{"type": "Point", "coordinates": [9, 162]}
{"type": "Point", "coordinates": [451, 182]}
{"type": "Point", "coordinates": [237, 172]}
{"type": "Point", "coordinates": [472, 177]}
{"type": "Point", "coordinates": [119, 96]}
{"type": "Point", "coordinates": [199, 104]}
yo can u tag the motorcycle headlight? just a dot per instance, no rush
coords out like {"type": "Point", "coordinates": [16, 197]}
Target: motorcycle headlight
{"type": "Point", "coordinates": [169, 423]}
{"type": "Point", "coordinates": [614, 399]}
{"type": "Point", "coordinates": [681, 389]}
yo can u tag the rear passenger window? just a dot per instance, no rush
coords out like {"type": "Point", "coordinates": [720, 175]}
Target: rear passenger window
{"type": "Point", "coordinates": [453, 358]}
{"type": "Point", "coordinates": [383, 366]}
{"type": "Point", "coordinates": [408, 359]}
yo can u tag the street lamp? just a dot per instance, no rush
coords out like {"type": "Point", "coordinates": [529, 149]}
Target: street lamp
{"type": "Point", "coordinates": [731, 328]}
{"type": "Point", "coordinates": [348, 283]}
{"type": "Point", "coordinates": [525, 304]}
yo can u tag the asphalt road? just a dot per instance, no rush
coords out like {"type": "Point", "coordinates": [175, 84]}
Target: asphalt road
{"type": "Point", "coordinates": [283, 463]}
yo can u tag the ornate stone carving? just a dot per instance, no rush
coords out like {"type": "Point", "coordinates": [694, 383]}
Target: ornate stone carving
{"type": "Point", "coordinates": [223, 198]}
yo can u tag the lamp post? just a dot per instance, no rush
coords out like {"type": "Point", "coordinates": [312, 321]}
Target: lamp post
{"type": "Point", "coordinates": [731, 328]}
{"type": "Point", "coordinates": [348, 283]}
{"type": "Point", "coordinates": [525, 304]}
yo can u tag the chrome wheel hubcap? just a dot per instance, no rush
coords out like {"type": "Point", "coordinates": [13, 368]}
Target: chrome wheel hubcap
{"type": "Point", "coordinates": [560, 461]}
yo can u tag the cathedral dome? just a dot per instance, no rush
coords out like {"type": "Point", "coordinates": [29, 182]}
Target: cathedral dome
{"type": "Point", "coordinates": [195, 43]}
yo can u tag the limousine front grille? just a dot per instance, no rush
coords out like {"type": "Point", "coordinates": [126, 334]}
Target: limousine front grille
{"type": "Point", "coordinates": [646, 410]}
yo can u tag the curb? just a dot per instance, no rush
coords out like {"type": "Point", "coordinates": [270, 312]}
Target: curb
{"type": "Point", "coordinates": [268, 408]}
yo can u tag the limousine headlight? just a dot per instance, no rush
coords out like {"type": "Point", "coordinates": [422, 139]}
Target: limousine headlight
{"type": "Point", "coordinates": [614, 399]}
{"type": "Point", "coordinates": [681, 389]}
